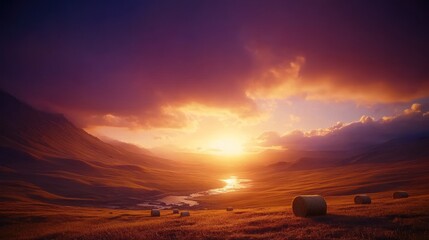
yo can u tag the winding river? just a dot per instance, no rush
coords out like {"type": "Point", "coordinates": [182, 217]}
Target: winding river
{"type": "Point", "coordinates": [232, 184]}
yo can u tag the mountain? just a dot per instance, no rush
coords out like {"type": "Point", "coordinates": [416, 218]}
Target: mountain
{"type": "Point", "coordinates": [396, 150]}
{"type": "Point", "coordinates": [127, 146]}
{"type": "Point", "coordinates": [45, 134]}
{"type": "Point", "coordinates": [44, 157]}
{"type": "Point", "coordinates": [400, 149]}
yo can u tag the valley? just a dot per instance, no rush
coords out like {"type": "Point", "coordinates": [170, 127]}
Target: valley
{"type": "Point", "coordinates": [57, 180]}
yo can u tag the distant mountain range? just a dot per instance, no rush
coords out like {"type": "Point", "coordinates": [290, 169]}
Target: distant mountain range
{"type": "Point", "coordinates": [401, 149]}
{"type": "Point", "coordinates": [396, 150]}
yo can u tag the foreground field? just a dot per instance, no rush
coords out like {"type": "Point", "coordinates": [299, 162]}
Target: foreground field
{"type": "Point", "coordinates": [384, 219]}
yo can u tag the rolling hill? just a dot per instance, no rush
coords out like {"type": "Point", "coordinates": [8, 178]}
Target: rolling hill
{"type": "Point", "coordinates": [380, 169]}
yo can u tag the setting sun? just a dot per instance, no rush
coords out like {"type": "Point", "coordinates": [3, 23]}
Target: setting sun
{"type": "Point", "coordinates": [227, 146]}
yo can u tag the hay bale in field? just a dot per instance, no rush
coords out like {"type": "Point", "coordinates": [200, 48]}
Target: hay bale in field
{"type": "Point", "coordinates": [155, 213]}
{"type": "Point", "coordinates": [309, 205]}
{"type": "Point", "coordinates": [185, 214]}
{"type": "Point", "coordinates": [175, 211]}
{"type": "Point", "coordinates": [400, 194]}
{"type": "Point", "coordinates": [362, 199]}
{"type": "Point", "coordinates": [229, 209]}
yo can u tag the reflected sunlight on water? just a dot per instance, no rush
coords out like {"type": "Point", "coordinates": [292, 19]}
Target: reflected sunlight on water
{"type": "Point", "coordinates": [233, 184]}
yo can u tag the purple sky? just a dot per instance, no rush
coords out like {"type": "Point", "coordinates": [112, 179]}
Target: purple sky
{"type": "Point", "coordinates": [140, 66]}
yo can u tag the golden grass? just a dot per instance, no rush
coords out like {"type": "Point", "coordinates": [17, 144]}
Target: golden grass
{"type": "Point", "coordinates": [384, 219]}
{"type": "Point", "coordinates": [275, 188]}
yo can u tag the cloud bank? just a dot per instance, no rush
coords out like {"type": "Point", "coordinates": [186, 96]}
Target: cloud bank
{"type": "Point", "coordinates": [413, 122]}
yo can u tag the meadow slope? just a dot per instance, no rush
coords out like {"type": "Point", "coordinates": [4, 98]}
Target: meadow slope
{"type": "Point", "coordinates": [384, 219]}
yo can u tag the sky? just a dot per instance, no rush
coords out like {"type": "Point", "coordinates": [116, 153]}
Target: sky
{"type": "Point", "coordinates": [222, 77]}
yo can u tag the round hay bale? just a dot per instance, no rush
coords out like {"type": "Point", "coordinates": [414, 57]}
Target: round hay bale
{"type": "Point", "coordinates": [155, 213]}
{"type": "Point", "coordinates": [175, 211]}
{"type": "Point", "coordinates": [185, 214]}
{"type": "Point", "coordinates": [229, 209]}
{"type": "Point", "coordinates": [309, 205]}
{"type": "Point", "coordinates": [400, 194]}
{"type": "Point", "coordinates": [362, 199]}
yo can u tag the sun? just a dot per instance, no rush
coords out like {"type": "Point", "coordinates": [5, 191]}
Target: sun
{"type": "Point", "coordinates": [227, 146]}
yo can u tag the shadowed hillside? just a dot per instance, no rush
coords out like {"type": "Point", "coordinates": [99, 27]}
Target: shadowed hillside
{"type": "Point", "coordinates": [44, 157]}
{"type": "Point", "coordinates": [402, 149]}
{"type": "Point", "coordinates": [45, 134]}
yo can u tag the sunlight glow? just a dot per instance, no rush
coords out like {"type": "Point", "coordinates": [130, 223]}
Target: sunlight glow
{"type": "Point", "coordinates": [227, 146]}
{"type": "Point", "coordinates": [230, 182]}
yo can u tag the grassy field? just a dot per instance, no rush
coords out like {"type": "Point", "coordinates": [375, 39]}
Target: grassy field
{"type": "Point", "coordinates": [262, 211]}
{"type": "Point", "coordinates": [384, 219]}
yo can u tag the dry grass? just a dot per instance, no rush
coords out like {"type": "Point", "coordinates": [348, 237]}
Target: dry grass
{"type": "Point", "coordinates": [384, 219]}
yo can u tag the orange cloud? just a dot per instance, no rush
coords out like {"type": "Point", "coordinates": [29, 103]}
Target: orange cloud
{"type": "Point", "coordinates": [277, 82]}
{"type": "Point", "coordinates": [289, 79]}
